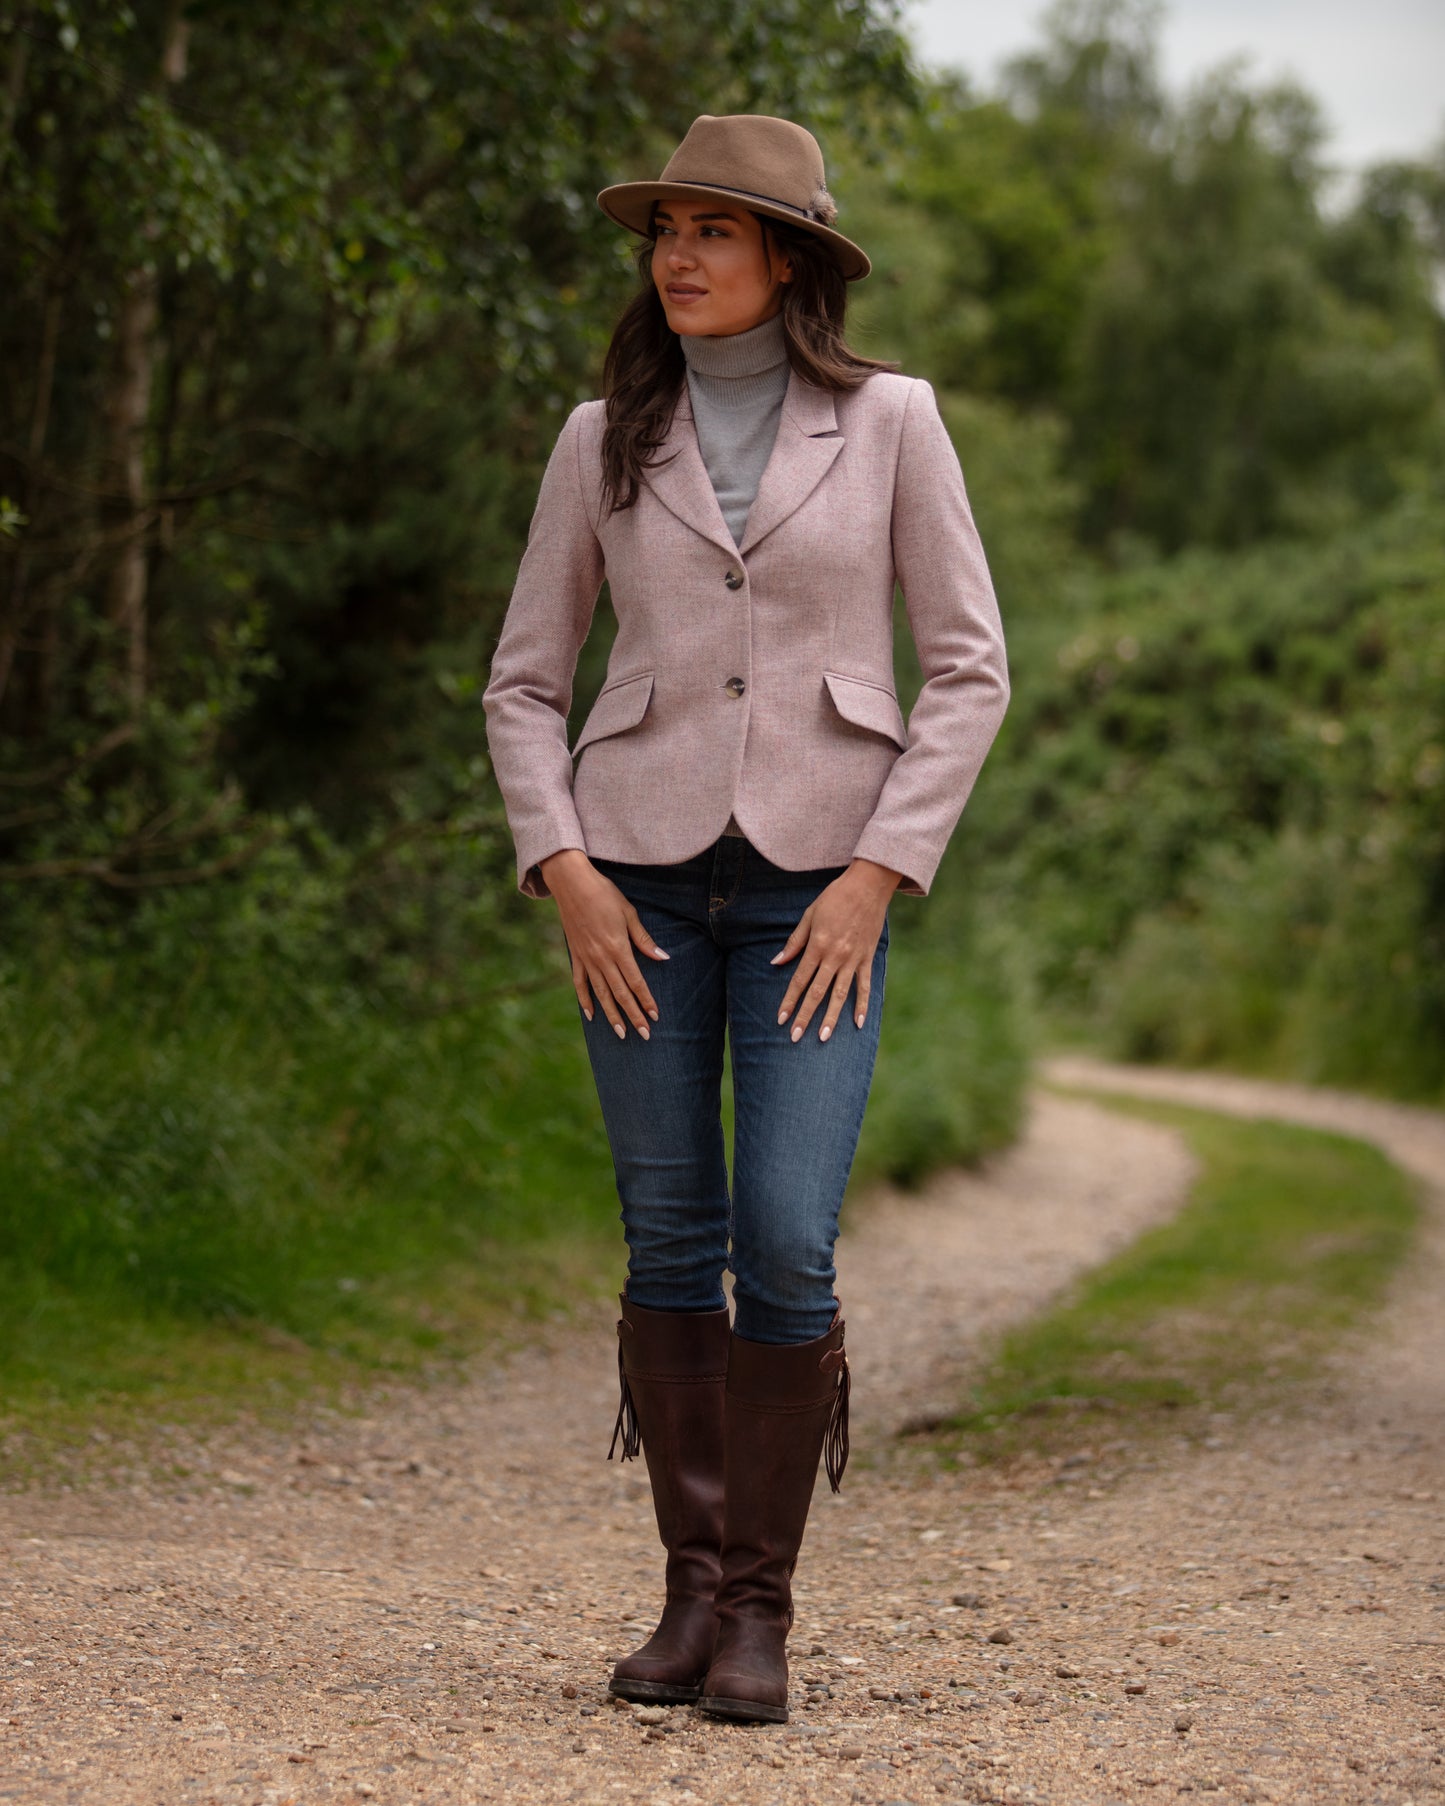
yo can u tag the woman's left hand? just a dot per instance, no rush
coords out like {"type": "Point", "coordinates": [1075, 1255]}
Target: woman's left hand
{"type": "Point", "coordinates": [836, 937]}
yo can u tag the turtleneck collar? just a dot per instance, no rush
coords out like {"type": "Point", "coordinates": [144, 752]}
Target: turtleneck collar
{"type": "Point", "coordinates": [737, 355]}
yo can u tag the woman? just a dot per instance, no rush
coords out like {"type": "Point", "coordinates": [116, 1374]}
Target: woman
{"type": "Point", "coordinates": [724, 838]}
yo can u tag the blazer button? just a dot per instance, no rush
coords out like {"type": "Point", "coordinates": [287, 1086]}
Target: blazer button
{"type": "Point", "coordinates": [734, 686]}
{"type": "Point", "coordinates": [734, 580]}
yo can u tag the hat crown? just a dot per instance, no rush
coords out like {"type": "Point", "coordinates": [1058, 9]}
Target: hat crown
{"type": "Point", "coordinates": [772, 159]}
{"type": "Point", "coordinates": [774, 167]}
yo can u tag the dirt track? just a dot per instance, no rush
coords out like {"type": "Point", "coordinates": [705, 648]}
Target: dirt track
{"type": "Point", "coordinates": [423, 1605]}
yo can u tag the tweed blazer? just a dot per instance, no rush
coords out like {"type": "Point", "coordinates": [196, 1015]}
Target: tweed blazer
{"type": "Point", "coordinates": [754, 678]}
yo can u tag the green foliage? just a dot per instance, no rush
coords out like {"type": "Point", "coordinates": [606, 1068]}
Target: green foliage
{"type": "Point", "coordinates": [314, 1167]}
{"type": "Point", "coordinates": [980, 262]}
{"type": "Point", "coordinates": [1237, 371]}
{"type": "Point", "coordinates": [1226, 357]}
{"type": "Point", "coordinates": [299, 298]}
{"type": "Point", "coordinates": [953, 1059]}
{"type": "Point", "coordinates": [218, 1145]}
{"type": "Point", "coordinates": [1220, 810]}
{"type": "Point", "coordinates": [1287, 1240]}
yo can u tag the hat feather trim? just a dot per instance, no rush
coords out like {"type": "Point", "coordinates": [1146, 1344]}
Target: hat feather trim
{"type": "Point", "coordinates": [824, 207]}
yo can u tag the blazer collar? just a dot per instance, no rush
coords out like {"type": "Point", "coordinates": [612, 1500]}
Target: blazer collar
{"type": "Point", "coordinates": [801, 457]}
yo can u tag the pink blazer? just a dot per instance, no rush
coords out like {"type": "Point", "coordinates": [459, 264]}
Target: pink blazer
{"type": "Point", "coordinates": [757, 678]}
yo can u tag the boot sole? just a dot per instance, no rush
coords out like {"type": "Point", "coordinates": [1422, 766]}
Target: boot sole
{"type": "Point", "coordinates": [755, 1710]}
{"type": "Point", "coordinates": [655, 1693]}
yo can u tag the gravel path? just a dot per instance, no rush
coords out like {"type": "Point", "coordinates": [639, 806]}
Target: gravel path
{"type": "Point", "coordinates": [422, 1605]}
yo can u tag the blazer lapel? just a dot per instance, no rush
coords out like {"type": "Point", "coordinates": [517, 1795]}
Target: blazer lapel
{"type": "Point", "coordinates": [682, 483]}
{"type": "Point", "coordinates": [800, 458]}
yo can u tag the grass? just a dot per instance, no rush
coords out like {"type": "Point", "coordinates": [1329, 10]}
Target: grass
{"type": "Point", "coordinates": [208, 1210]}
{"type": "Point", "coordinates": [1288, 1240]}
{"type": "Point", "coordinates": [99, 1385]}
{"type": "Point", "coordinates": [212, 1209]}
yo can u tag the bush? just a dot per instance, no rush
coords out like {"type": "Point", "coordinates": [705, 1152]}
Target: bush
{"type": "Point", "coordinates": [953, 1061]}
{"type": "Point", "coordinates": [1216, 810]}
{"type": "Point", "coordinates": [277, 1164]}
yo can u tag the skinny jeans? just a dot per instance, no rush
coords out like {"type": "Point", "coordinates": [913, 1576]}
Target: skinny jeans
{"type": "Point", "coordinates": [797, 1106]}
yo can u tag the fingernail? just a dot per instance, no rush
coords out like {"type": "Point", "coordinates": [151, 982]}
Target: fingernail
{"type": "Point", "coordinates": [621, 1031]}
{"type": "Point", "coordinates": [653, 1014]}
{"type": "Point", "coordinates": [823, 1033]}
{"type": "Point", "coordinates": [782, 1017]}
{"type": "Point", "coordinates": [859, 1021]}
{"type": "Point", "coordinates": [587, 1014]}
{"type": "Point", "coordinates": [644, 1032]}
{"type": "Point", "coordinates": [797, 1033]}
{"type": "Point", "coordinates": [660, 954]}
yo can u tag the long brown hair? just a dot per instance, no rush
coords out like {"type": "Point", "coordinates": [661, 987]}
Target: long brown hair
{"type": "Point", "coordinates": [643, 372]}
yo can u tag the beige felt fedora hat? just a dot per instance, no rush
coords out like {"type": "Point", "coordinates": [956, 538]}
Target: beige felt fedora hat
{"type": "Point", "coordinates": [772, 165]}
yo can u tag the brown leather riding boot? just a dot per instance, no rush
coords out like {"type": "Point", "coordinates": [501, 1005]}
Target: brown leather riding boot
{"type": "Point", "coordinates": [785, 1405]}
{"type": "Point", "coordinates": [673, 1368]}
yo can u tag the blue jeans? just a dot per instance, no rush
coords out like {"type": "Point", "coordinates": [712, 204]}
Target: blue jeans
{"type": "Point", "coordinates": [797, 1106]}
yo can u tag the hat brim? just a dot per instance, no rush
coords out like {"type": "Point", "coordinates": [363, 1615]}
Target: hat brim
{"type": "Point", "coordinates": [630, 205]}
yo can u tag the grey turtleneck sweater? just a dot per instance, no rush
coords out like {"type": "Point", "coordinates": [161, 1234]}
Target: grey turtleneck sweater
{"type": "Point", "coordinates": [737, 383]}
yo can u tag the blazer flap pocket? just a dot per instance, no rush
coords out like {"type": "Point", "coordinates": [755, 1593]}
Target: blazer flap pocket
{"type": "Point", "coordinates": [618, 706]}
{"type": "Point", "coordinates": [867, 704]}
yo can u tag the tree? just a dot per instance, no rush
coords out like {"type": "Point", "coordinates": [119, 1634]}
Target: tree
{"type": "Point", "coordinates": [1244, 365]}
{"type": "Point", "coordinates": [299, 295]}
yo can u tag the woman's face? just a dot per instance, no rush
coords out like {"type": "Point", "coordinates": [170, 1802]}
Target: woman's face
{"type": "Point", "coordinates": [712, 269]}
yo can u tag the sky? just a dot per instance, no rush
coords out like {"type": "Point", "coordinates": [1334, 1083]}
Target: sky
{"type": "Point", "coordinates": [1377, 68]}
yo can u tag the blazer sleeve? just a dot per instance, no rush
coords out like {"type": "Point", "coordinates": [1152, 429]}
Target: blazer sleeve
{"type": "Point", "coordinates": [530, 688]}
{"type": "Point", "coordinates": [954, 618]}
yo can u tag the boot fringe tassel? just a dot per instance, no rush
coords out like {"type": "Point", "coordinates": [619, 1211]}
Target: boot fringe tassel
{"type": "Point", "coordinates": [835, 1443]}
{"type": "Point", "coordinates": [627, 1426]}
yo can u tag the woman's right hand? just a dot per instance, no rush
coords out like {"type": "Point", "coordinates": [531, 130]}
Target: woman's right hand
{"type": "Point", "coordinates": [601, 928]}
